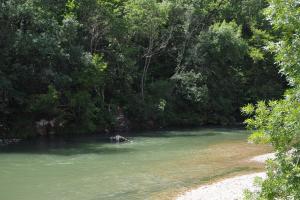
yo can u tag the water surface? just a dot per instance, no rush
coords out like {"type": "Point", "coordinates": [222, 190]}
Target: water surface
{"type": "Point", "coordinates": [156, 165]}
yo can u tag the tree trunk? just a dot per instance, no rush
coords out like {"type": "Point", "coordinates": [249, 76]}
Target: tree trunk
{"type": "Point", "coordinates": [144, 75]}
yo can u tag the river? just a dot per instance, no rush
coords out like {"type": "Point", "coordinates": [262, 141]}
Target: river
{"type": "Point", "coordinates": [154, 165]}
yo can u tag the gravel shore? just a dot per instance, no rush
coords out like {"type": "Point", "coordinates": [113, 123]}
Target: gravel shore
{"type": "Point", "coordinates": [263, 158]}
{"type": "Point", "coordinates": [228, 189]}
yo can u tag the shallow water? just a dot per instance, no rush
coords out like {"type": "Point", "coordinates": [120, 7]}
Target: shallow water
{"type": "Point", "coordinates": [156, 165]}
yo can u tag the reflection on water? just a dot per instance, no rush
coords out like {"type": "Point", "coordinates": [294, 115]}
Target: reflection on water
{"type": "Point", "coordinates": [155, 165]}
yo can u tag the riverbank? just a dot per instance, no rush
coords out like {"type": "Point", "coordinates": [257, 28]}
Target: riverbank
{"type": "Point", "coordinates": [231, 188]}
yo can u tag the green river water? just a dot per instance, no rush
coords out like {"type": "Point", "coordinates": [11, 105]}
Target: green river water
{"type": "Point", "coordinates": [154, 165]}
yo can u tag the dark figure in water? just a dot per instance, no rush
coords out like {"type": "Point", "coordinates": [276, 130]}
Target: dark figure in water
{"type": "Point", "coordinates": [118, 138]}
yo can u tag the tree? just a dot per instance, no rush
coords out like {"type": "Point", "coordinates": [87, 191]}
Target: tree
{"type": "Point", "coordinates": [277, 122]}
{"type": "Point", "coordinates": [218, 55]}
{"type": "Point", "coordinates": [46, 74]}
{"type": "Point", "coordinates": [147, 19]}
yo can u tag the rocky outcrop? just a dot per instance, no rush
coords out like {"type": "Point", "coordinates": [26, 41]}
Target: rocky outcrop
{"type": "Point", "coordinates": [121, 125]}
{"type": "Point", "coordinates": [45, 127]}
{"type": "Point", "coordinates": [9, 141]}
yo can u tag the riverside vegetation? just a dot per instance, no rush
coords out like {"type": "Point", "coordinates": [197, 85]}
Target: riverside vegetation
{"type": "Point", "coordinates": [278, 122]}
{"type": "Point", "coordinates": [77, 65]}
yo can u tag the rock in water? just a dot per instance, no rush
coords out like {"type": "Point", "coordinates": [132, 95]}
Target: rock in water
{"type": "Point", "coordinates": [118, 138]}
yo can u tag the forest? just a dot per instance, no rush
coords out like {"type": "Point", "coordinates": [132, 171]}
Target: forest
{"type": "Point", "coordinates": [183, 63]}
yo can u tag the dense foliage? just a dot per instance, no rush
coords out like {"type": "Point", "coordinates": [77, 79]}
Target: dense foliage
{"type": "Point", "coordinates": [278, 122]}
{"type": "Point", "coordinates": [78, 64]}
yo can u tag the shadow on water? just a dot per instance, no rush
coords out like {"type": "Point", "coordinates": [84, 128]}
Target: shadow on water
{"type": "Point", "coordinates": [65, 147]}
{"type": "Point", "coordinates": [99, 144]}
{"type": "Point", "coordinates": [172, 135]}
{"type": "Point", "coordinates": [189, 133]}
